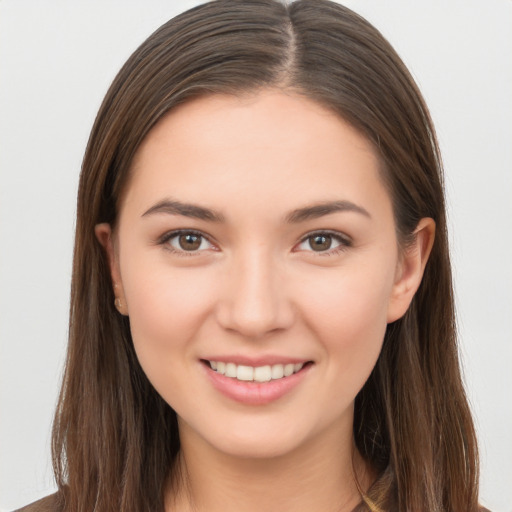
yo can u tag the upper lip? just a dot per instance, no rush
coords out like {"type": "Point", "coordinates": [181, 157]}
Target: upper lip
{"type": "Point", "coordinates": [268, 360]}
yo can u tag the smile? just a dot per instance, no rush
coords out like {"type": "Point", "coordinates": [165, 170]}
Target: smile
{"type": "Point", "coordinates": [256, 385]}
{"type": "Point", "coordinates": [255, 373]}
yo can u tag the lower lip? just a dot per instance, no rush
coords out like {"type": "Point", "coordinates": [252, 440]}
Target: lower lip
{"type": "Point", "coordinates": [255, 393]}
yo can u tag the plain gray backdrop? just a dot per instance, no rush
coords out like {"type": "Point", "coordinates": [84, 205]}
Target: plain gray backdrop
{"type": "Point", "coordinates": [57, 59]}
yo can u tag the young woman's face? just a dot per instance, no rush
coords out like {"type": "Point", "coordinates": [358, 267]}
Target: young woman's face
{"type": "Point", "coordinates": [257, 260]}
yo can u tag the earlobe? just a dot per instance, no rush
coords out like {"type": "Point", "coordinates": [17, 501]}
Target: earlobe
{"type": "Point", "coordinates": [411, 268]}
{"type": "Point", "coordinates": [103, 233]}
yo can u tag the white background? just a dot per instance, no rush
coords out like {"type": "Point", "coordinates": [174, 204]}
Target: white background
{"type": "Point", "coordinates": [57, 59]}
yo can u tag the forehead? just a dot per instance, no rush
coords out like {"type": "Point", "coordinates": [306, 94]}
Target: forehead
{"type": "Point", "coordinates": [269, 146]}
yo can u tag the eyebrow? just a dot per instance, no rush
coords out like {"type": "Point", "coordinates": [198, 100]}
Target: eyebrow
{"type": "Point", "coordinates": [319, 210]}
{"type": "Point", "coordinates": [173, 207]}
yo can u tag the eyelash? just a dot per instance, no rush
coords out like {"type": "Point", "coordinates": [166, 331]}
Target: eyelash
{"type": "Point", "coordinates": [164, 240]}
{"type": "Point", "coordinates": [343, 240]}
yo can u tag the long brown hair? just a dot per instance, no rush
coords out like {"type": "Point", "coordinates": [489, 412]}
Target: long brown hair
{"type": "Point", "coordinates": [115, 439]}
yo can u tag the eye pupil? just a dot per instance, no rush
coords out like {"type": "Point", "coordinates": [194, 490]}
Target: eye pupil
{"type": "Point", "coordinates": [320, 242]}
{"type": "Point", "coordinates": [190, 242]}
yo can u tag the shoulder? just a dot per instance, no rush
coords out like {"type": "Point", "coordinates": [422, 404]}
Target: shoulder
{"type": "Point", "coordinates": [52, 503]}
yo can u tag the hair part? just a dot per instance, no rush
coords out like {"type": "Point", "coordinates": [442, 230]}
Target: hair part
{"type": "Point", "coordinates": [115, 440]}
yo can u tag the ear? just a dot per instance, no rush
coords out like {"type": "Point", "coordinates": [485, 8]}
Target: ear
{"type": "Point", "coordinates": [103, 233]}
{"type": "Point", "coordinates": [410, 269]}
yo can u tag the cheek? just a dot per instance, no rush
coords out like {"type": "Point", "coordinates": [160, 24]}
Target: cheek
{"type": "Point", "coordinates": [348, 314]}
{"type": "Point", "coordinates": [165, 309]}
{"type": "Point", "coordinates": [348, 301]}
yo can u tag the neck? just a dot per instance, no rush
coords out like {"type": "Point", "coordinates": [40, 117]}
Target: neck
{"type": "Point", "coordinates": [320, 476]}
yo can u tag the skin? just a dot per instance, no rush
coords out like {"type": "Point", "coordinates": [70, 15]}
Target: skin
{"type": "Point", "coordinates": [257, 288]}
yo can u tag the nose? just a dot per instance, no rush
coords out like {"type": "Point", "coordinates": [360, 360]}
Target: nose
{"type": "Point", "coordinates": [254, 300]}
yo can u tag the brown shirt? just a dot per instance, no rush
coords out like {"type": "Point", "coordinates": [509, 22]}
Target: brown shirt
{"type": "Point", "coordinates": [52, 503]}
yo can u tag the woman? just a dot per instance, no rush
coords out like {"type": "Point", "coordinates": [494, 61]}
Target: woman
{"type": "Point", "coordinates": [262, 311]}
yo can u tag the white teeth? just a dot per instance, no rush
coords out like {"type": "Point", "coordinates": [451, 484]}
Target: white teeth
{"type": "Point", "coordinates": [258, 373]}
{"type": "Point", "coordinates": [230, 370]}
{"type": "Point", "coordinates": [277, 371]}
{"type": "Point", "coordinates": [244, 372]}
{"type": "Point", "coordinates": [262, 373]}
{"type": "Point", "coordinates": [288, 369]}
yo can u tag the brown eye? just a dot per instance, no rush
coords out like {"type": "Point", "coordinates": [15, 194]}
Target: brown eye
{"type": "Point", "coordinates": [189, 242]}
{"type": "Point", "coordinates": [324, 242]}
{"type": "Point", "coordinates": [320, 242]}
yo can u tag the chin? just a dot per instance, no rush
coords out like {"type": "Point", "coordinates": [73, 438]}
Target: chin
{"type": "Point", "coordinates": [257, 447]}
{"type": "Point", "coordinates": [261, 439]}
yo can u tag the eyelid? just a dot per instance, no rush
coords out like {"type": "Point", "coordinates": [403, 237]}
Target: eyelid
{"type": "Point", "coordinates": [164, 239]}
{"type": "Point", "coordinates": [344, 241]}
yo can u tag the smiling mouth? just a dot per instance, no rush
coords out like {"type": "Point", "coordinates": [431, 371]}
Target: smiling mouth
{"type": "Point", "coordinates": [246, 373]}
